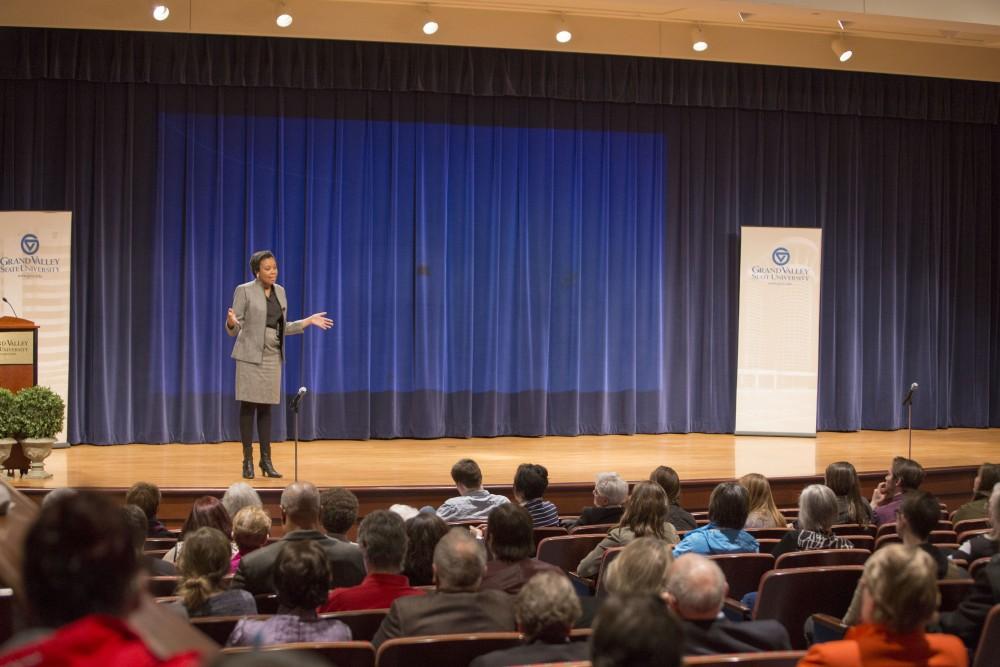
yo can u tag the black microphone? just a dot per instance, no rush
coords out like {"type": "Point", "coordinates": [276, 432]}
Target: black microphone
{"type": "Point", "coordinates": [298, 398]}
{"type": "Point", "coordinates": [11, 306]}
{"type": "Point", "coordinates": [909, 395]}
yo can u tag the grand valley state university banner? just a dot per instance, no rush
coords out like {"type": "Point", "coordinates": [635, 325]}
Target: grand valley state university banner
{"type": "Point", "coordinates": [778, 353]}
{"type": "Point", "coordinates": [35, 278]}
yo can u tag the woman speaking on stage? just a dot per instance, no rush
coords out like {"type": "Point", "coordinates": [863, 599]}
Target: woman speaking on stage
{"type": "Point", "coordinates": [257, 320]}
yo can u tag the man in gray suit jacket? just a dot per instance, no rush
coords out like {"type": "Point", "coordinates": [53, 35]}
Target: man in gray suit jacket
{"type": "Point", "coordinates": [300, 513]}
{"type": "Point", "coordinates": [457, 605]}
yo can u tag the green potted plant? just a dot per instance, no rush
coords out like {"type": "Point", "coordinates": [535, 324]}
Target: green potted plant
{"type": "Point", "coordinates": [39, 417]}
{"type": "Point", "coordinates": [8, 426]}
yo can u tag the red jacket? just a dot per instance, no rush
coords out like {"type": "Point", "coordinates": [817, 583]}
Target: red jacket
{"type": "Point", "coordinates": [874, 646]}
{"type": "Point", "coordinates": [377, 591]}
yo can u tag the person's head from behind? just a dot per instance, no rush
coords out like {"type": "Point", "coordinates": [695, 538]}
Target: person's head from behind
{"type": "Point", "coordinates": [899, 588]}
{"type": "Point", "coordinates": [79, 559]}
{"type": "Point", "coordinates": [251, 528]}
{"type": "Point", "coordinates": [207, 512]}
{"type": "Point", "coordinates": [146, 497]}
{"type": "Point", "coordinates": [917, 516]}
{"type": "Point", "coordinates": [547, 608]}
{"type": "Point", "coordinates": [842, 478]}
{"type": "Point", "coordinates": [729, 505]}
{"type": "Point", "coordinates": [509, 533]}
{"type": "Point", "coordinates": [530, 481]}
{"type": "Point", "coordinates": [467, 476]}
{"type": "Point", "coordinates": [636, 631]}
{"type": "Point", "coordinates": [642, 568]}
{"type": "Point", "coordinates": [301, 575]}
{"type": "Point", "coordinates": [697, 587]}
{"type": "Point", "coordinates": [423, 533]}
{"type": "Point", "coordinates": [759, 490]}
{"type": "Point", "coordinates": [610, 490]}
{"type": "Point", "coordinates": [459, 562]}
{"type": "Point", "coordinates": [300, 506]}
{"type": "Point", "coordinates": [993, 513]}
{"type": "Point", "coordinates": [382, 538]}
{"type": "Point", "coordinates": [646, 510]}
{"type": "Point", "coordinates": [238, 496]}
{"type": "Point", "coordinates": [137, 524]}
{"type": "Point", "coordinates": [987, 477]}
{"type": "Point", "coordinates": [669, 481]}
{"type": "Point", "coordinates": [202, 564]}
{"type": "Point", "coordinates": [817, 508]}
{"type": "Point", "coordinates": [339, 510]}
{"type": "Point", "coordinates": [904, 475]}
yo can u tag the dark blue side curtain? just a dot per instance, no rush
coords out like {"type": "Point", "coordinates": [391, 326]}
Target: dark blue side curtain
{"type": "Point", "coordinates": [499, 264]}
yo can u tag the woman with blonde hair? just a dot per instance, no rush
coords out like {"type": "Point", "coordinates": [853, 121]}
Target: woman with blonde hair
{"type": "Point", "coordinates": [204, 563]}
{"type": "Point", "coordinates": [251, 528]}
{"type": "Point", "coordinates": [642, 568]}
{"type": "Point", "coordinates": [763, 512]}
{"type": "Point", "coordinates": [646, 513]}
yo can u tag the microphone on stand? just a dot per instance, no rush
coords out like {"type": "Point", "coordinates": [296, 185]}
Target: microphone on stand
{"type": "Point", "coordinates": [298, 398]}
{"type": "Point", "coordinates": [10, 305]}
{"type": "Point", "coordinates": [909, 395]}
{"type": "Point", "coordinates": [295, 412]}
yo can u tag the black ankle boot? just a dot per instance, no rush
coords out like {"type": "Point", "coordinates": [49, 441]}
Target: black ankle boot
{"type": "Point", "coordinates": [247, 461]}
{"type": "Point", "coordinates": [265, 462]}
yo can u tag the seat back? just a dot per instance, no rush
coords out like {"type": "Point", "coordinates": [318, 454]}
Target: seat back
{"type": "Point", "coordinates": [768, 533]}
{"type": "Point", "coordinates": [218, 628]}
{"type": "Point", "coordinates": [886, 529]}
{"type": "Point", "coordinates": [267, 603]}
{"type": "Point", "coordinates": [888, 538]}
{"type": "Point", "coordinates": [542, 532]}
{"type": "Point", "coordinates": [363, 624]}
{"type": "Point", "coordinates": [953, 591]}
{"type": "Point", "coordinates": [822, 557]}
{"type": "Point", "coordinates": [970, 524]}
{"type": "Point", "coordinates": [743, 571]}
{"type": "Point", "coordinates": [942, 537]}
{"type": "Point", "coordinates": [601, 589]}
{"type": "Point", "coordinates": [566, 551]}
{"type": "Point", "coordinates": [978, 563]}
{"type": "Point", "coordinates": [764, 659]}
{"type": "Point", "coordinates": [458, 649]}
{"type": "Point", "coordinates": [159, 543]}
{"type": "Point", "coordinates": [163, 586]}
{"type": "Point", "coordinates": [342, 654]}
{"type": "Point", "coordinates": [593, 529]}
{"type": "Point", "coordinates": [866, 542]}
{"type": "Point", "coordinates": [791, 596]}
{"type": "Point", "coordinates": [988, 651]}
{"type": "Point", "coordinates": [969, 533]}
{"type": "Point", "coordinates": [852, 529]}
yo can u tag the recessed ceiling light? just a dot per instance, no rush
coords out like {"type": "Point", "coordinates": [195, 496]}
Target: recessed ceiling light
{"type": "Point", "coordinates": [430, 27]}
{"type": "Point", "coordinates": [698, 41]}
{"type": "Point", "coordinates": [284, 20]}
{"type": "Point", "coordinates": [161, 12]}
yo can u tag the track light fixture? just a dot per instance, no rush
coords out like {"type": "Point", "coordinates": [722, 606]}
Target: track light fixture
{"type": "Point", "coordinates": [284, 18]}
{"type": "Point", "coordinates": [841, 48]}
{"type": "Point", "coordinates": [698, 41]}
{"type": "Point", "coordinates": [430, 23]}
{"type": "Point", "coordinates": [161, 12]}
{"type": "Point", "coordinates": [563, 34]}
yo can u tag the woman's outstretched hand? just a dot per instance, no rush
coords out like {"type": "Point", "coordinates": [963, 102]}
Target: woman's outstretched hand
{"type": "Point", "coordinates": [319, 320]}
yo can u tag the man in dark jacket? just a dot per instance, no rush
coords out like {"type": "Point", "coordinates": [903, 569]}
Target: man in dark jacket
{"type": "Point", "coordinates": [967, 621]}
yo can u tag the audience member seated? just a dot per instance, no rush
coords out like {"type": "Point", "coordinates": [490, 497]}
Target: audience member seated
{"type": "Point", "coordinates": [642, 568]}
{"type": "Point", "coordinates": [382, 539]}
{"type": "Point", "coordinates": [203, 565]}
{"type": "Point", "coordinates": [817, 512]}
{"type": "Point", "coordinates": [985, 544]}
{"type": "Point", "coordinates": [987, 477]}
{"type": "Point", "coordinates": [238, 496]}
{"type": "Point", "coordinates": [645, 515]}
{"type": "Point", "coordinates": [917, 517]}
{"type": "Point", "coordinates": [728, 507]}
{"type": "Point", "coordinates": [338, 512]}
{"type": "Point", "coordinates": [843, 480]}
{"type": "Point", "coordinates": [457, 605]}
{"type": "Point", "coordinates": [899, 597]}
{"type": "Point", "coordinates": [546, 610]}
{"type": "Point", "coordinates": [302, 578]}
{"type": "Point", "coordinates": [251, 528]}
{"type": "Point", "coordinates": [904, 476]}
{"type": "Point", "coordinates": [473, 501]}
{"type": "Point", "coordinates": [636, 631]}
{"type": "Point", "coordinates": [696, 591]}
{"type": "Point", "coordinates": [423, 532]}
{"type": "Point", "coordinates": [300, 512]}
{"type": "Point", "coordinates": [147, 497]}
{"type": "Point", "coordinates": [206, 512]}
{"type": "Point", "coordinates": [530, 482]}
{"type": "Point", "coordinates": [80, 575]}
{"type": "Point", "coordinates": [58, 493]}
{"type": "Point", "coordinates": [511, 548]}
{"type": "Point", "coordinates": [668, 480]}
{"type": "Point", "coordinates": [610, 492]}
{"type": "Point", "coordinates": [968, 620]}
{"type": "Point", "coordinates": [138, 525]}
{"type": "Point", "coordinates": [763, 512]}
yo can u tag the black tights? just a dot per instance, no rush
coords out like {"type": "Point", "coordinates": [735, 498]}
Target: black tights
{"type": "Point", "coordinates": [263, 410]}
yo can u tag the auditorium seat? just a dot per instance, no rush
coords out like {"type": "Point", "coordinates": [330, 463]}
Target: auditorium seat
{"type": "Point", "coordinates": [600, 587]}
{"type": "Point", "coordinates": [988, 651]}
{"type": "Point", "coordinates": [886, 529]}
{"type": "Point", "coordinates": [968, 534]}
{"type": "Point", "coordinates": [6, 614]}
{"type": "Point", "coordinates": [155, 553]}
{"type": "Point", "coordinates": [826, 628]}
{"type": "Point", "coordinates": [943, 537]}
{"type": "Point", "coordinates": [977, 564]}
{"type": "Point", "coordinates": [342, 654]}
{"type": "Point", "coordinates": [218, 628]}
{"type": "Point", "coordinates": [767, 544]}
{"type": "Point", "coordinates": [889, 538]}
{"type": "Point", "coordinates": [743, 571]}
{"type": "Point", "coordinates": [768, 533]}
{"type": "Point", "coordinates": [159, 543]}
{"type": "Point", "coordinates": [593, 529]}
{"type": "Point", "coordinates": [970, 524]}
{"type": "Point", "coordinates": [540, 533]}
{"type": "Point", "coordinates": [953, 591]}
{"type": "Point", "coordinates": [791, 596]}
{"type": "Point", "coordinates": [459, 649]}
{"type": "Point", "coordinates": [363, 623]}
{"type": "Point", "coordinates": [163, 586]}
{"type": "Point", "coordinates": [267, 603]}
{"type": "Point", "coordinates": [567, 551]}
{"type": "Point", "coordinates": [853, 529]}
{"type": "Point", "coordinates": [822, 557]}
{"type": "Point", "coordinates": [763, 659]}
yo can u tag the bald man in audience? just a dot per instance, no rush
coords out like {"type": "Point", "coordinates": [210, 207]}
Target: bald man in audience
{"type": "Point", "coordinates": [695, 591]}
{"type": "Point", "coordinates": [300, 512]}
{"type": "Point", "coordinates": [457, 606]}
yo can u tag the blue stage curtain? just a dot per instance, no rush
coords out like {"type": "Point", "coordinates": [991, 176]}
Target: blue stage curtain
{"type": "Point", "coordinates": [499, 265]}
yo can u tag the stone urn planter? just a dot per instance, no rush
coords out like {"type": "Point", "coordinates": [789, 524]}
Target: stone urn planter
{"type": "Point", "coordinates": [6, 446]}
{"type": "Point", "coordinates": [7, 428]}
{"type": "Point", "coordinates": [37, 450]}
{"type": "Point", "coordinates": [38, 416]}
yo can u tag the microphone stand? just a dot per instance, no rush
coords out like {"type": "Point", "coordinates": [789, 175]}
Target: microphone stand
{"type": "Point", "coordinates": [908, 402]}
{"type": "Point", "coordinates": [295, 425]}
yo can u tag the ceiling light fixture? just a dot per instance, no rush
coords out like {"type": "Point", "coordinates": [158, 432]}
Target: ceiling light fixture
{"type": "Point", "coordinates": [161, 12]}
{"type": "Point", "coordinates": [698, 41]}
{"type": "Point", "coordinates": [563, 34]}
{"type": "Point", "coordinates": [430, 23]}
{"type": "Point", "coordinates": [284, 18]}
{"type": "Point", "coordinates": [839, 44]}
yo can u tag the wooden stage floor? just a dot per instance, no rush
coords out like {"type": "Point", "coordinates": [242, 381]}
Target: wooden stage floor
{"type": "Point", "coordinates": [404, 463]}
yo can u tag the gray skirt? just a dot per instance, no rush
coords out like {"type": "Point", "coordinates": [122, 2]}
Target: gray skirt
{"type": "Point", "coordinates": [261, 383]}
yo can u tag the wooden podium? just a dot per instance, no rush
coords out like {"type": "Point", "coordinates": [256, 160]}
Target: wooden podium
{"type": "Point", "coordinates": [18, 368]}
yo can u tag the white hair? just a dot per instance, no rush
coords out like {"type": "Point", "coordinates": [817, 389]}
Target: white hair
{"type": "Point", "coordinates": [697, 585]}
{"type": "Point", "coordinates": [610, 485]}
{"type": "Point", "coordinates": [238, 496]}
{"type": "Point", "coordinates": [817, 508]}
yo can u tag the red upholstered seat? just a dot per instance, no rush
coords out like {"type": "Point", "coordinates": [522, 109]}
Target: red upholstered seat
{"type": "Point", "coordinates": [743, 571]}
{"type": "Point", "coordinates": [567, 551]}
{"type": "Point", "coordinates": [443, 649]}
{"type": "Point", "coordinates": [342, 654]}
{"type": "Point", "coordinates": [764, 659]}
{"type": "Point", "coordinates": [822, 557]}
